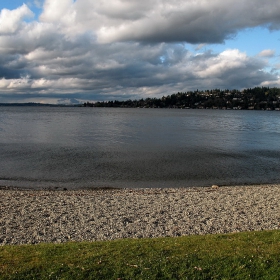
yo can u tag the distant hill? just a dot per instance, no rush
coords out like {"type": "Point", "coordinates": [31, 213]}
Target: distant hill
{"type": "Point", "coordinates": [39, 105]}
{"type": "Point", "coordinates": [258, 98]}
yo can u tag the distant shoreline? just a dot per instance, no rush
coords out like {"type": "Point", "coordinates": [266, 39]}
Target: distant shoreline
{"type": "Point", "coordinates": [38, 105]}
{"type": "Point", "coordinates": [82, 106]}
{"type": "Point", "coordinates": [258, 98]}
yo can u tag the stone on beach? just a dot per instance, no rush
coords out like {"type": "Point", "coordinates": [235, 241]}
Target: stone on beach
{"type": "Point", "coordinates": [29, 216]}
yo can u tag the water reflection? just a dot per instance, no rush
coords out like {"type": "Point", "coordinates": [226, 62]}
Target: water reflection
{"type": "Point", "coordinates": [137, 147]}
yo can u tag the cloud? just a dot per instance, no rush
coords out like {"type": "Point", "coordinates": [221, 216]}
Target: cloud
{"type": "Point", "coordinates": [38, 3]}
{"type": "Point", "coordinates": [10, 21]}
{"type": "Point", "coordinates": [200, 46]}
{"type": "Point", "coordinates": [58, 11]}
{"type": "Point", "coordinates": [192, 21]}
{"type": "Point", "coordinates": [128, 70]}
{"type": "Point", "coordinates": [120, 49]}
{"type": "Point", "coordinates": [196, 21]}
{"type": "Point", "coordinates": [267, 53]}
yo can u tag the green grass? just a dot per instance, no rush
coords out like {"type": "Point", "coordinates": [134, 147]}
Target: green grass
{"type": "Point", "coordinates": [249, 255]}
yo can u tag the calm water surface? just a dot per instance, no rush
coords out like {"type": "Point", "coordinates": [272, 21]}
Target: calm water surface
{"type": "Point", "coordinates": [97, 147]}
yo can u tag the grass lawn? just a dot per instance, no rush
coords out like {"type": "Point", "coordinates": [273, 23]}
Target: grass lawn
{"type": "Point", "coordinates": [249, 255]}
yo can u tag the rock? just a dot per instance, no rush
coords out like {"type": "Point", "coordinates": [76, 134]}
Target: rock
{"type": "Point", "coordinates": [106, 215]}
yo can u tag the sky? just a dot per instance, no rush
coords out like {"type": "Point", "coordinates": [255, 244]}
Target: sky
{"type": "Point", "coordinates": [70, 51]}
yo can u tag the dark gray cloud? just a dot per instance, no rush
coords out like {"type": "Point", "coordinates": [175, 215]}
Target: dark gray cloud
{"type": "Point", "coordinates": [195, 21]}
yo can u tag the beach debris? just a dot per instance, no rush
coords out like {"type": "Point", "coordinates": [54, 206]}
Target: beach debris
{"type": "Point", "coordinates": [132, 265]}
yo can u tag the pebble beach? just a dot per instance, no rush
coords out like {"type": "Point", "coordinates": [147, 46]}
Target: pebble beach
{"type": "Point", "coordinates": [35, 216]}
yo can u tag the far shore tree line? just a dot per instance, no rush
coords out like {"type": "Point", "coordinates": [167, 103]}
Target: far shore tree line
{"type": "Point", "coordinates": [258, 98]}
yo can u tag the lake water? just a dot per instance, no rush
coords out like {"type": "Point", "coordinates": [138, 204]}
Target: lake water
{"type": "Point", "coordinates": [103, 147]}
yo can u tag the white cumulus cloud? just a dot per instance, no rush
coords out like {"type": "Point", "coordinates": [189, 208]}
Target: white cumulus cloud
{"type": "Point", "coordinates": [11, 20]}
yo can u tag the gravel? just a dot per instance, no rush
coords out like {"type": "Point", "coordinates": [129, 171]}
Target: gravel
{"type": "Point", "coordinates": [35, 216]}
